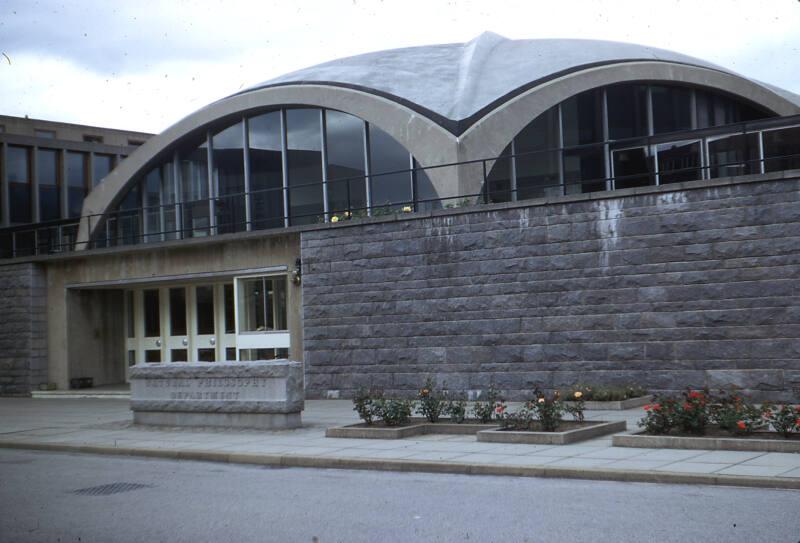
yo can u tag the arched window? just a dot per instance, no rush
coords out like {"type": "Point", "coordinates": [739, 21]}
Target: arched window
{"type": "Point", "coordinates": [598, 140]}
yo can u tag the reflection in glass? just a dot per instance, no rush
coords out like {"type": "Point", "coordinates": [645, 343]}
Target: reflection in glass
{"type": "Point", "coordinates": [584, 170]}
{"type": "Point", "coordinates": [390, 191]}
{"type": "Point", "coordinates": [206, 355]}
{"type": "Point", "coordinates": [582, 118]}
{"type": "Point", "coordinates": [152, 201]}
{"type": "Point", "coordinates": [633, 168]}
{"type": "Point", "coordinates": [782, 149]}
{"type": "Point", "coordinates": [425, 193]}
{"type": "Point", "coordinates": [733, 155]}
{"type": "Point", "coordinates": [262, 304]}
{"type": "Point", "coordinates": [230, 319]}
{"type": "Point", "coordinates": [672, 108]}
{"type": "Point", "coordinates": [194, 190]}
{"type": "Point", "coordinates": [204, 305]}
{"type": "Point", "coordinates": [537, 168]}
{"type": "Point", "coordinates": [49, 193]}
{"type": "Point", "coordinates": [177, 311]}
{"type": "Point", "coordinates": [101, 167]}
{"type": "Point", "coordinates": [345, 154]}
{"type": "Point", "coordinates": [130, 314]}
{"type": "Point", "coordinates": [19, 183]}
{"type": "Point", "coordinates": [228, 161]}
{"type": "Point", "coordinates": [679, 162]}
{"type": "Point", "coordinates": [304, 158]}
{"type": "Point", "coordinates": [627, 111]}
{"type": "Point", "coordinates": [266, 171]}
{"type": "Point", "coordinates": [179, 355]}
{"type": "Point", "coordinates": [76, 182]}
{"type": "Point", "coordinates": [499, 178]}
{"type": "Point", "coordinates": [152, 318]}
{"type": "Point", "coordinates": [152, 355]}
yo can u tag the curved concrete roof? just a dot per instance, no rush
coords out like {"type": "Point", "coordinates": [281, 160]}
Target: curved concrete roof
{"type": "Point", "coordinates": [455, 84]}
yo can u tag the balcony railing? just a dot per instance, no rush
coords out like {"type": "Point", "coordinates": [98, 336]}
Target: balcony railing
{"type": "Point", "coordinates": [746, 148]}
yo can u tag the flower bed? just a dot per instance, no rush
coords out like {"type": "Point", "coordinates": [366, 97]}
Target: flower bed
{"type": "Point", "coordinates": [568, 432]}
{"type": "Point", "coordinates": [726, 421]}
{"type": "Point", "coordinates": [718, 440]}
{"type": "Point", "coordinates": [616, 405]}
{"type": "Point", "coordinates": [414, 427]}
{"type": "Point", "coordinates": [610, 398]}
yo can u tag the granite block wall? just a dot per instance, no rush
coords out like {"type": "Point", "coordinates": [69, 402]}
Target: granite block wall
{"type": "Point", "coordinates": [692, 286]}
{"type": "Point", "coordinates": [23, 328]}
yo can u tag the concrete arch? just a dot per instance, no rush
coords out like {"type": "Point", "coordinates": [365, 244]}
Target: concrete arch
{"type": "Point", "coordinates": [492, 133]}
{"type": "Point", "coordinates": [427, 141]}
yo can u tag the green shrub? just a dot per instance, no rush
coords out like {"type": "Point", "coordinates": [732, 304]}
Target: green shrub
{"type": "Point", "coordinates": [394, 412]}
{"type": "Point", "coordinates": [547, 409]}
{"type": "Point", "coordinates": [734, 413]}
{"type": "Point", "coordinates": [431, 401]}
{"type": "Point", "coordinates": [364, 403]}
{"type": "Point", "coordinates": [605, 393]}
{"type": "Point", "coordinates": [785, 419]}
{"type": "Point", "coordinates": [456, 409]}
{"type": "Point", "coordinates": [494, 406]}
{"type": "Point", "coordinates": [660, 416]}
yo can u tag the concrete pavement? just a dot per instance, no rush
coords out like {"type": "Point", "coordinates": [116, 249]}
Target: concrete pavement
{"type": "Point", "coordinates": [104, 426]}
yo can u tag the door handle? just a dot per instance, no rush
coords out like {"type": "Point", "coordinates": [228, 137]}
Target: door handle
{"type": "Point", "coordinates": [212, 341]}
{"type": "Point", "coordinates": [158, 343]}
{"type": "Point", "coordinates": [185, 342]}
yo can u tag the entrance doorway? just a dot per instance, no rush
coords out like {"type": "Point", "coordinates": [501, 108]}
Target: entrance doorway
{"type": "Point", "coordinates": [242, 319]}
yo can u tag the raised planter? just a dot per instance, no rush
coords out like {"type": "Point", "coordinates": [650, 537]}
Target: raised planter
{"type": "Point", "coordinates": [765, 442]}
{"type": "Point", "coordinates": [414, 428]}
{"type": "Point", "coordinates": [620, 405]}
{"type": "Point", "coordinates": [572, 432]}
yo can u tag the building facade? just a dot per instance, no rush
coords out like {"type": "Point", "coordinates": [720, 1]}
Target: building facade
{"type": "Point", "coordinates": [530, 212]}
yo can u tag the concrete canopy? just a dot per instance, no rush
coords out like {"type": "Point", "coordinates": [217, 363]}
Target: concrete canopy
{"type": "Point", "coordinates": [445, 103]}
{"type": "Point", "coordinates": [456, 84]}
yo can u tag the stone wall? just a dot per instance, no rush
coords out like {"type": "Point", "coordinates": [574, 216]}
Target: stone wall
{"type": "Point", "coordinates": [690, 285]}
{"type": "Point", "coordinates": [23, 329]}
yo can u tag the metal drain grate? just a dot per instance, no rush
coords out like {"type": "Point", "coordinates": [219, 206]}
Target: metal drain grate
{"type": "Point", "coordinates": [107, 490]}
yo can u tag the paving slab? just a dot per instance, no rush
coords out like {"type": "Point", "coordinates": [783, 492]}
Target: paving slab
{"type": "Point", "coordinates": [105, 427]}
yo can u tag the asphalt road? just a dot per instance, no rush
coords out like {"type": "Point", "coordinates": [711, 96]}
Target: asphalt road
{"type": "Point", "coordinates": [198, 501]}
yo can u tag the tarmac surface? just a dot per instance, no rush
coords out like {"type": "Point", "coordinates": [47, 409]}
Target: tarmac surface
{"type": "Point", "coordinates": [48, 496]}
{"type": "Point", "coordinates": [105, 426]}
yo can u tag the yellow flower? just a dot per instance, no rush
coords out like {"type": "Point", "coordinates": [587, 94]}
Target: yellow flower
{"type": "Point", "coordinates": [406, 209]}
{"type": "Point", "coordinates": [578, 394]}
{"type": "Point", "coordinates": [346, 214]}
{"type": "Point", "coordinates": [334, 219]}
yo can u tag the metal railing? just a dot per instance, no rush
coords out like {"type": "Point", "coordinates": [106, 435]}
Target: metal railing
{"type": "Point", "coordinates": [569, 171]}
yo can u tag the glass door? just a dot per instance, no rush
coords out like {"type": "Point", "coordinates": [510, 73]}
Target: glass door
{"type": "Point", "coordinates": [204, 338]}
{"type": "Point", "coordinates": [150, 344]}
{"type": "Point", "coordinates": [177, 338]}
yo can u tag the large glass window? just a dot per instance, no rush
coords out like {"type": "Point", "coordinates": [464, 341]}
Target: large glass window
{"type": "Point", "coordinates": [345, 152]}
{"type": "Point", "coordinates": [177, 311]}
{"type": "Point", "coordinates": [633, 167]}
{"type": "Point", "coordinates": [152, 205]}
{"type": "Point", "coordinates": [499, 179]}
{"type": "Point", "coordinates": [582, 118]}
{"type": "Point", "coordinates": [304, 157]}
{"type": "Point", "coordinates": [204, 309]}
{"type": "Point", "coordinates": [584, 170]}
{"type": "Point", "coordinates": [262, 304]}
{"type": "Point", "coordinates": [679, 161]}
{"type": "Point", "coordinates": [101, 167]}
{"type": "Point", "coordinates": [782, 149]}
{"type": "Point", "coordinates": [228, 149]}
{"type": "Point", "coordinates": [18, 170]}
{"type": "Point", "coordinates": [76, 182]}
{"type": "Point", "coordinates": [627, 111]}
{"type": "Point", "coordinates": [266, 170]}
{"type": "Point", "coordinates": [152, 316]}
{"type": "Point", "coordinates": [194, 190]}
{"type": "Point", "coordinates": [537, 165]}
{"type": "Point", "coordinates": [390, 190]}
{"type": "Point", "coordinates": [733, 155]}
{"type": "Point", "coordinates": [49, 193]}
{"type": "Point", "coordinates": [672, 108]}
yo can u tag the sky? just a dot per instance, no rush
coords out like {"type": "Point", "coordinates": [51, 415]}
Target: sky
{"type": "Point", "coordinates": [144, 65]}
